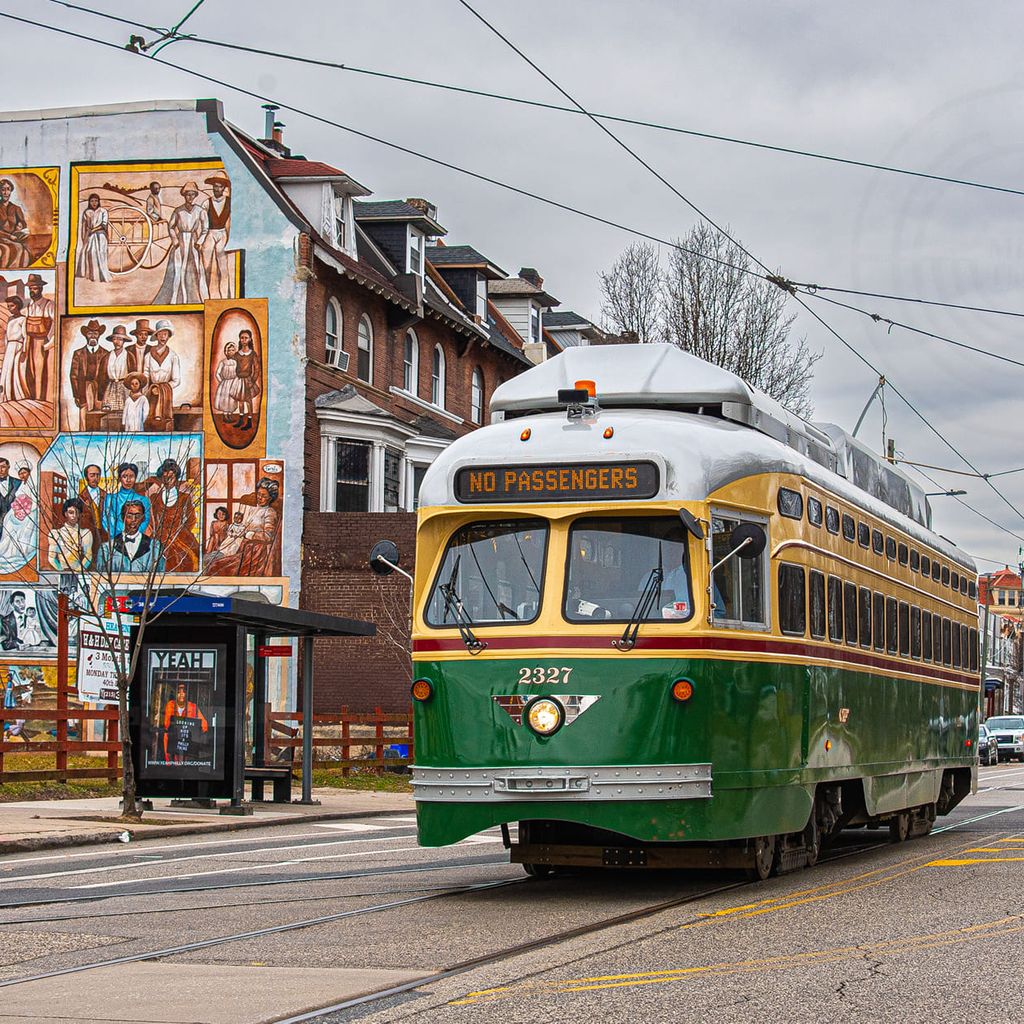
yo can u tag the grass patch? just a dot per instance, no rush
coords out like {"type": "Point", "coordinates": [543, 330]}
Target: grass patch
{"type": "Point", "coordinates": [373, 779]}
{"type": "Point", "coordinates": [73, 789]}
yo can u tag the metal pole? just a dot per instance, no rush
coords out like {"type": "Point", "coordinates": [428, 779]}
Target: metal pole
{"type": "Point", "coordinates": [307, 720]}
{"type": "Point", "coordinates": [984, 653]}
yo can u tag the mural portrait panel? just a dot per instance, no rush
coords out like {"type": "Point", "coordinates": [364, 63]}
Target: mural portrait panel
{"type": "Point", "coordinates": [132, 374]}
{"type": "Point", "coordinates": [243, 499]}
{"type": "Point", "coordinates": [28, 217]}
{"type": "Point", "coordinates": [236, 367]}
{"type": "Point", "coordinates": [150, 237]}
{"type": "Point", "coordinates": [19, 510]}
{"type": "Point", "coordinates": [121, 503]}
{"type": "Point", "coordinates": [28, 622]}
{"type": "Point", "coordinates": [28, 355]}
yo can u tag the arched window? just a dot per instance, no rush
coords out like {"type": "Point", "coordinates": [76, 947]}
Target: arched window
{"type": "Point", "coordinates": [437, 378]}
{"type": "Point", "coordinates": [332, 332]}
{"type": "Point", "coordinates": [476, 396]}
{"type": "Point", "coordinates": [364, 362]}
{"type": "Point", "coordinates": [411, 364]}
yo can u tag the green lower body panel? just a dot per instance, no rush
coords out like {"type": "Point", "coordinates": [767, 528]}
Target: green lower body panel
{"type": "Point", "coordinates": [764, 732]}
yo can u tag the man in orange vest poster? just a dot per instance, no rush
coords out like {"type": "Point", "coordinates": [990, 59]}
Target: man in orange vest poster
{"type": "Point", "coordinates": [181, 717]}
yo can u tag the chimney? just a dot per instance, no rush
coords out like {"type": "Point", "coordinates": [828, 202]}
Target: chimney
{"type": "Point", "coordinates": [426, 208]}
{"type": "Point", "coordinates": [268, 122]}
{"type": "Point", "coordinates": [277, 134]}
{"type": "Point", "coordinates": [531, 275]}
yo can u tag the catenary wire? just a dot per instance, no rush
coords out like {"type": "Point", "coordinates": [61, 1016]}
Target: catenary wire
{"type": "Point", "coordinates": [523, 192]}
{"type": "Point", "coordinates": [170, 35]}
{"type": "Point", "coordinates": [607, 131]}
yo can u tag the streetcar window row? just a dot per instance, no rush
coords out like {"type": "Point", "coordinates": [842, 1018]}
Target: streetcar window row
{"type": "Point", "coordinates": [791, 505]}
{"type": "Point", "coordinates": [845, 613]}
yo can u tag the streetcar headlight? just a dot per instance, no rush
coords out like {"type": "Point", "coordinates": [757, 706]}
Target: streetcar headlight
{"type": "Point", "coordinates": [545, 716]}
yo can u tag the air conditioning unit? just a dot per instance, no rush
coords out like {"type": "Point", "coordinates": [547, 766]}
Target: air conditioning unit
{"type": "Point", "coordinates": [339, 358]}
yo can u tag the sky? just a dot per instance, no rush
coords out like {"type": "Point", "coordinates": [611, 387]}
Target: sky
{"type": "Point", "coordinates": [934, 87]}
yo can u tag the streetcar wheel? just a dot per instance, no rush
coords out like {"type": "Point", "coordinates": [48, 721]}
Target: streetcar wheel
{"type": "Point", "coordinates": [899, 827]}
{"type": "Point", "coordinates": [812, 840]}
{"type": "Point", "coordinates": [765, 862]}
{"type": "Point", "coordinates": [538, 870]}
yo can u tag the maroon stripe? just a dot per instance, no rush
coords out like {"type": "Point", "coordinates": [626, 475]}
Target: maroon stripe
{"type": "Point", "coordinates": [743, 645]}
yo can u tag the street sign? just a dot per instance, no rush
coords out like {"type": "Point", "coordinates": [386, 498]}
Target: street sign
{"type": "Point", "coordinates": [97, 669]}
{"type": "Point", "coordinates": [274, 651]}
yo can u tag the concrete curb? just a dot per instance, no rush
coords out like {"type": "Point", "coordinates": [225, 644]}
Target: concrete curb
{"type": "Point", "coordinates": [168, 831]}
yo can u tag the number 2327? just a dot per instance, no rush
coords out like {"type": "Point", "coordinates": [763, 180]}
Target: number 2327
{"type": "Point", "coordinates": [538, 675]}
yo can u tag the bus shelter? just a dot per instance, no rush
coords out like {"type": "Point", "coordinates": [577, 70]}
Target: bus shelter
{"type": "Point", "coordinates": [188, 696]}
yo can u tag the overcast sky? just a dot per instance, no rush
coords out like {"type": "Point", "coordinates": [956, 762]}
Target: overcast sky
{"type": "Point", "coordinates": [917, 85]}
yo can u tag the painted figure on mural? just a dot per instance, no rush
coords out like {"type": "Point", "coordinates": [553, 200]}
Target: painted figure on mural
{"type": "Point", "coordinates": [184, 278]}
{"type": "Point", "coordinates": [224, 559]}
{"type": "Point", "coordinates": [218, 218]}
{"type": "Point", "coordinates": [121, 361]}
{"type": "Point", "coordinates": [130, 550]}
{"type": "Point", "coordinates": [136, 404]}
{"type": "Point", "coordinates": [174, 519]}
{"type": "Point", "coordinates": [20, 523]}
{"type": "Point", "coordinates": [40, 317]}
{"type": "Point", "coordinates": [92, 242]}
{"type": "Point", "coordinates": [162, 368]}
{"type": "Point", "coordinates": [8, 490]}
{"type": "Point", "coordinates": [262, 525]}
{"type": "Point", "coordinates": [13, 386]}
{"type": "Point", "coordinates": [218, 531]}
{"type": "Point", "coordinates": [225, 398]}
{"type": "Point", "coordinates": [92, 497]}
{"type": "Point", "coordinates": [250, 380]}
{"type": "Point", "coordinates": [89, 372]}
{"type": "Point", "coordinates": [154, 204]}
{"type": "Point", "coordinates": [127, 474]}
{"type": "Point", "coordinates": [70, 546]}
{"type": "Point", "coordinates": [14, 624]}
{"type": "Point", "coordinates": [14, 254]}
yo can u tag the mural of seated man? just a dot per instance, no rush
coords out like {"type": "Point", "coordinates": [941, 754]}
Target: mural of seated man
{"type": "Point", "coordinates": [130, 550]}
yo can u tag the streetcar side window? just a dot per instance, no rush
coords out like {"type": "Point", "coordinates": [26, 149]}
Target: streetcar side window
{"type": "Point", "coordinates": [791, 503]}
{"type": "Point", "coordinates": [491, 574]}
{"type": "Point", "coordinates": [891, 629]}
{"type": "Point", "coordinates": [739, 589]}
{"type": "Point", "coordinates": [926, 635]}
{"type": "Point", "coordinates": [831, 519]}
{"type": "Point", "coordinates": [904, 621]}
{"type": "Point", "coordinates": [965, 647]}
{"type": "Point", "coordinates": [878, 622]}
{"type": "Point", "coordinates": [937, 571]}
{"type": "Point", "coordinates": [964, 586]}
{"type": "Point", "coordinates": [955, 637]}
{"type": "Point", "coordinates": [890, 548]}
{"type": "Point", "coordinates": [926, 565]}
{"type": "Point", "coordinates": [877, 542]}
{"type": "Point", "coordinates": [835, 609]}
{"type": "Point", "coordinates": [902, 554]}
{"type": "Point", "coordinates": [945, 575]}
{"type": "Point", "coordinates": [954, 580]}
{"type": "Point", "coordinates": [792, 600]}
{"type": "Point", "coordinates": [915, 560]}
{"type": "Point", "coordinates": [816, 604]}
{"type": "Point", "coordinates": [621, 567]}
{"type": "Point", "coordinates": [849, 528]}
{"type": "Point", "coordinates": [850, 612]}
{"type": "Point", "coordinates": [972, 639]}
{"type": "Point", "coordinates": [947, 643]}
{"type": "Point", "coordinates": [937, 639]}
{"type": "Point", "coordinates": [864, 535]}
{"type": "Point", "coordinates": [814, 513]}
{"type": "Point", "coordinates": [915, 633]}
{"type": "Point", "coordinates": [864, 609]}
{"type": "Point", "coordinates": [972, 590]}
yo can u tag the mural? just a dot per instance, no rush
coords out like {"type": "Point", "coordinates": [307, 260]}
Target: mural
{"type": "Point", "coordinates": [28, 321]}
{"type": "Point", "coordinates": [150, 236]}
{"type": "Point", "coordinates": [121, 503]}
{"type": "Point", "coordinates": [28, 622]}
{"type": "Point", "coordinates": [132, 374]}
{"type": "Point", "coordinates": [19, 510]}
{"type": "Point", "coordinates": [28, 217]}
{"type": "Point", "coordinates": [236, 377]}
{"type": "Point", "coordinates": [242, 515]}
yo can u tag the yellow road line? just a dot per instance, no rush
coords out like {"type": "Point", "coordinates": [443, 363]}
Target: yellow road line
{"type": "Point", "coordinates": [961, 862]}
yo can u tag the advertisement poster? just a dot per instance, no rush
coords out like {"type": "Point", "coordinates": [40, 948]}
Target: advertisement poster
{"type": "Point", "coordinates": [97, 669]}
{"type": "Point", "coordinates": [183, 712]}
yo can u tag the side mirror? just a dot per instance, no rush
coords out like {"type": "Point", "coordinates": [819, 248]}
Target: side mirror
{"type": "Point", "coordinates": [691, 523]}
{"type": "Point", "coordinates": [748, 540]}
{"type": "Point", "coordinates": [384, 557]}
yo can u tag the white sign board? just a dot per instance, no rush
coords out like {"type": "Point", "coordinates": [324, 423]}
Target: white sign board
{"type": "Point", "coordinates": [97, 671]}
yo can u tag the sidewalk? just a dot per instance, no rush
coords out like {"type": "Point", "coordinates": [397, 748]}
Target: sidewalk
{"type": "Point", "coordinates": [47, 824]}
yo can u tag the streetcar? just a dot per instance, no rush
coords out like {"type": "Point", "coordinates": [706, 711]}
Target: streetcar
{"type": "Point", "coordinates": [660, 621]}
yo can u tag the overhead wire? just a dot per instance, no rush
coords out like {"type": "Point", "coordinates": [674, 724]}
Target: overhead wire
{"type": "Point", "coordinates": [519, 191]}
{"type": "Point", "coordinates": [696, 209]}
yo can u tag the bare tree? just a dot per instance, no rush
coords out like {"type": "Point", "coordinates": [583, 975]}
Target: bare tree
{"type": "Point", "coordinates": [720, 312]}
{"type": "Point", "coordinates": [632, 294]}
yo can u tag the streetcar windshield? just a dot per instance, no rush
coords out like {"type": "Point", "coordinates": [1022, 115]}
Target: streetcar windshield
{"type": "Point", "coordinates": [491, 574]}
{"type": "Point", "coordinates": [611, 562]}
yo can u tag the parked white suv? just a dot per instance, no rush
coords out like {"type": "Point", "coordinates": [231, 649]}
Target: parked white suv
{"type": "Point", "coordinates": [1009, 730]}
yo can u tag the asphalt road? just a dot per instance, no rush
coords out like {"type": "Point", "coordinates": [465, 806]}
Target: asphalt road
{"type": "Point", "coordinates": [930, 929]}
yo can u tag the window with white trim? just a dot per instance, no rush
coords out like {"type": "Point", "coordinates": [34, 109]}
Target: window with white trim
{"type": "Point", "coordinates": [339, 222]}
{"type": "Point", "coordinates": [534, 322]}
{"type": "Point", "coordinates": [364, 361]}
{"type": "Point", "coordinates": [392, 480]}
{"type": "Point", "coordinates": [352, 476]}
{"type": "Point", "coordinates": [411, 363]}
{"type": "Point", "coordinates": [415, 252]}
{"type": "Point", "coordinates": [481, 297]}
{"type": "Point", "coordinates": [332, 332]}
{"type": "Point", "coordinates": [437, 378]}
{"type": "Point", "coordinates": [476, 396]}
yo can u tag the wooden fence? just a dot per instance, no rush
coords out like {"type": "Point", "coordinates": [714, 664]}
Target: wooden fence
{"type": "Point", "coordinates": [59, 741]}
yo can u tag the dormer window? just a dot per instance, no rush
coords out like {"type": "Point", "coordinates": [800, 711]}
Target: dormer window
{"type": "Point", "coordinates": [481, 297]}
{"type": "Point", "coordinates": [416, 241]}
{"type": "Point", "coordinates": [534, 323]}
{"type": "Point", "coordinates": [339, 221]}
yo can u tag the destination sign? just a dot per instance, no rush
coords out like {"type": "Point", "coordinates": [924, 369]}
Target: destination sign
{"type": "Point", "coordinates": [595, 481]}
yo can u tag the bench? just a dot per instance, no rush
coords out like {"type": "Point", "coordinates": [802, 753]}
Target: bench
{"type": "Point", "coordinates": [280, 776]}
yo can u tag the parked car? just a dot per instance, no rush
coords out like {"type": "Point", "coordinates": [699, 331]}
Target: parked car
{"type": "Point", "coordinates": [1009, 730]}
{"type": "Point", "coordinates": [988, 746]}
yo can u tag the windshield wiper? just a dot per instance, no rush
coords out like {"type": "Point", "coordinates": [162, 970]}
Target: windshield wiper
{"type": "Point", "coordinates": [650, 593]}
{"type": "Point", "coordinates": [453, 604]}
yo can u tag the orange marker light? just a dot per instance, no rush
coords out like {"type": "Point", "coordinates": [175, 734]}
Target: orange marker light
{"type": "Point", "coordinates": [586, 385]}
{"type": "Point", "coordinates": [525, 435]}
{"type": "Point", "coordinates": [609, 432]}
{"type": "Point", "coordinates": [422, 690]}
{"type": "Point", "coordinates": [682, 690]}
{"type": "Point", "coordinates": [828, 745]}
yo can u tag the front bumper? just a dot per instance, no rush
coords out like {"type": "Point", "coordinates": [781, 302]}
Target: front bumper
{"type": "Point", "coordinates": [562, 784]}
